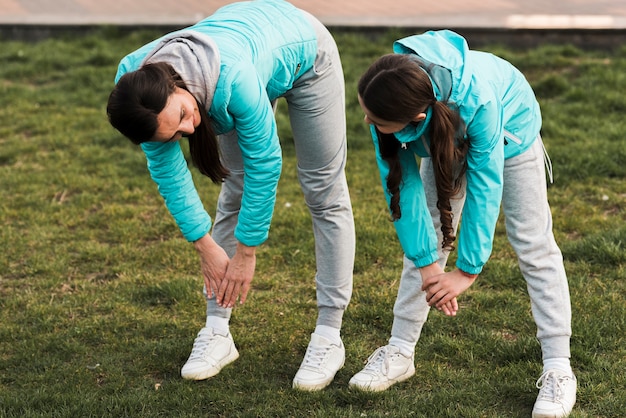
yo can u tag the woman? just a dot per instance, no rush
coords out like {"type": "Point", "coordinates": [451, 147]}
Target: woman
{"type": "Point", "coordinates": [216, 83]}
{"type": "Point", "coordinates": [474, 121]}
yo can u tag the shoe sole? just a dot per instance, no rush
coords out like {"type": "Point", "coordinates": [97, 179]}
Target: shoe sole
{"type": "Point", "coordinates": [542, 415]}
{"type": "Point", "coordinates": [213, 371]}
{"type": "Point", "coordinates": [369, 388]}
{"type": "Point", "coordinates": [549, 414]}
{"type": "Point", "coordinates": [317, 386]}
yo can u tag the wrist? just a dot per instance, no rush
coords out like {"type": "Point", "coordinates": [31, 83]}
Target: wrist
{"type": "Point", "coordinates": [468, 275]}
{"type": "Point", "coordinates": [203, 243]}
{"type": "Point", "coordinates": [246, 250]}
{"type": "Point", "coordinates": [431, 270]}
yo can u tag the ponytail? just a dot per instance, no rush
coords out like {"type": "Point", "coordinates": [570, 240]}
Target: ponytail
{"type": "Point", "coordinates": [388, 146]}
{"type": "Point", "coordinates": [205, 151]}
{"type": "Point", "coordinates": [448, 151]}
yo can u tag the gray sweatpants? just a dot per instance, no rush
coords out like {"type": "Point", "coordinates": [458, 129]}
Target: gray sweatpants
{"type": "Point", "coordinates": [528, 223]}
{"type": "Point", "coordinates": [316, 105]}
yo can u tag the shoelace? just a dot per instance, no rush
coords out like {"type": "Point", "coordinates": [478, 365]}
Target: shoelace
{"type": "Point", "coordinates": [378, 360]}
{"type": "Point", "coordinates": [202, 342]}
{"type": "Point", "coordinates": [315, 356]}
{"type": "Point", "coordinates": [550, 385]}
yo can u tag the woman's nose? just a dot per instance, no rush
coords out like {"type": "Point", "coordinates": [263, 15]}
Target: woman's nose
{"type": "Point", "coordinates": [187, 126]}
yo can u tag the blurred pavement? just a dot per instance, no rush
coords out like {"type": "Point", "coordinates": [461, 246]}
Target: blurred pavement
{"type": "Point", "coordinates": [506, 14]}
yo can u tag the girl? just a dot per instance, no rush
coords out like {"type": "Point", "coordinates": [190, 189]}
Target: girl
{"type": "Point", "coordinates": [474, 121]}
{"type": "Point", "coordinates": [216, 83]}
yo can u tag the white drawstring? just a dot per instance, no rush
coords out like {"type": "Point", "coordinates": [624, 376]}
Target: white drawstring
{"type": "Point", "coordinates": [547, 161]}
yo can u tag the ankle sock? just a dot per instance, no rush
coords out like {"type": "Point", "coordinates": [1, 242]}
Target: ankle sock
{"type": "Point", "coordinates": [218, 324]}
{"type": "Point", "coordinates": [559, 363]}
{"type": "Point", "coordinates": [406, 348]}
{"type": "Point", "coordinates": [330, 333]}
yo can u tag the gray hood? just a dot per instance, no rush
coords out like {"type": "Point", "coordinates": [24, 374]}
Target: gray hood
{"type": "Point", "coordinates": [195, 57]}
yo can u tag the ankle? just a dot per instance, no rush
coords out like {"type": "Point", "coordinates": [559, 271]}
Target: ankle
{"type": "Point", "coordinates": [406, 348]}
{"type": "Point", "coordinates": [219, 324]}
{"type": "Point", "coordinates": [331, 334]}
{"type": "Point", "coordinates": [558, 363]}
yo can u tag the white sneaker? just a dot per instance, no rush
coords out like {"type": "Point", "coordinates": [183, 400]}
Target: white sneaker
{"type": "Point", "coordinates": [557, 395]}
{"type": "Point", "coordinates": [384, 367]}
{"type": "Point", "coordinates": [211, 351]}
{"type": "Point", "coordinates": [320, 364]}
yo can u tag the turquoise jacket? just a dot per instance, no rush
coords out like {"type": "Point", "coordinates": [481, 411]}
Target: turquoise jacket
{"type": "Point", "coordinates": [502, 120]}
{"type": "Point", "coordinates": [263, 47]}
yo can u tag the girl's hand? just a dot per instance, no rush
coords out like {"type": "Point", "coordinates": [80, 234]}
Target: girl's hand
{"type": "Point", "coordinates": [449, 308]}
{"type": "Point", "coordinates": [430, 273]}
{"type": "Point", "coordinates": [442, 290]}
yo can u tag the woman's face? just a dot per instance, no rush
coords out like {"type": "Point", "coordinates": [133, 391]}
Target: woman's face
{"type": "Point", "coordinates": [180, 117]}
{"type": "Point", "coordinates": [385, 126]}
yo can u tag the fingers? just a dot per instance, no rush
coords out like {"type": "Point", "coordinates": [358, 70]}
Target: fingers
{"type": "Point", "coordinates": [225, 293]}
{"type": "Point", "coordinates": [211, 286]}
{"type": "Point", "coordinates": [449, 309]}
{"type": "Point", "coordinates": [229, 291]}
{"type": "Point", "coordinates": [434, 295]}
{"type": "Point", "coordinates": [442, 300]}
{"type": "Point", "coordinates": [244, 293]}
{"type": "Point", "coordinates": [446, 310]}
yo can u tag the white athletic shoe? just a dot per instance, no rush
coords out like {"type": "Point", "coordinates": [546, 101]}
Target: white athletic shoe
{"type": "Point", "coordinates": [557, 395]}
{"type": "Point", "coordinates": [384, 367]}
{"type": "Point", "coordinates": [211, 351]}
{"type": "Point", "coordinates": [320, 364]}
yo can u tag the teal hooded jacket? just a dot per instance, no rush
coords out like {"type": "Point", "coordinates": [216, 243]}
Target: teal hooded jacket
{"type": "Point", "coordinates": [236, 62]}
{"type": "Point", "coordinates": [502, 119]}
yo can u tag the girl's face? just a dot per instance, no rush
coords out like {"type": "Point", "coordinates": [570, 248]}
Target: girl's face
{"type": "Point", "coordinates": [179, 117]}
{"type": "Point", "coordinates": [385, 126]}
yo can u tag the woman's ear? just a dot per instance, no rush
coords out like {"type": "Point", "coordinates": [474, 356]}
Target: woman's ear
{"type": "Point", "coordinates": [419, 117]}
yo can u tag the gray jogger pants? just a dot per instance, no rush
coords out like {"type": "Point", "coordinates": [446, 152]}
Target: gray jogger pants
{"type": "Point", "coordinates": [316, 105]}
{"type": "Point", "coordinates": [528, 223]}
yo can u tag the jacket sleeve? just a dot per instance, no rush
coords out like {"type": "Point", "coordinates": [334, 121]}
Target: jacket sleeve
{"type": "Point", "coordinates": [484, 187]}
{"type": "Point", "coordinates": [169, 171]}
{"type": "Point", "coordinates": [257, 135]}
{"type": "Point", "coordinates": [415, 228]}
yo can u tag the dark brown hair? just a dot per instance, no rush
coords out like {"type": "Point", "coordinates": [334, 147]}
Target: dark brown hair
{"type": "Point", "coordinates": [138, 98]}
{"type": "Point", "coordinates": [396, 89]}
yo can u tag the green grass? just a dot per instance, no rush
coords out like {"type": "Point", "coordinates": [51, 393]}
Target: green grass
{"type": "Point", "coordinates": [100, 296]}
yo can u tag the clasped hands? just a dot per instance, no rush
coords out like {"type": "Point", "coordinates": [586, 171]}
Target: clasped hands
{"type": "Point", "coordinates": [442, 288]}
{"type": "Point", "coordinates": [228, 279]}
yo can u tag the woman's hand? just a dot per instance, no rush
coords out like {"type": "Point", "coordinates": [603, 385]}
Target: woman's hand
{"type": "Point", "coordinates": [238, 277]}
{"type": "Point", "coordinates": [442, 290]}
{"type": "Point", "coordinates": [213, 261]}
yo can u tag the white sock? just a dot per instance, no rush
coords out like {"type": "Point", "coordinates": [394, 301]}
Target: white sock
{"type": "Point", "coordinates": [330, 333]}
{"type": "Point", "coordinates": [218, 324]}
{"type": "Point", "coordinates": [559, 363]}
{"type": "Point", "coordinates": [406, 348]}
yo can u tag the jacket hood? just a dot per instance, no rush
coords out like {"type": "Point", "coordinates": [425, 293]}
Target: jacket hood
{"type": "Point", "coordinates": [195, 57]}
{"type": "Point", "coordinates": [442, 55]}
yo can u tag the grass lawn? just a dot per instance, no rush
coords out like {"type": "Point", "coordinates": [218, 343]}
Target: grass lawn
{"type": "Point", "coordinates": [100, 296]}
